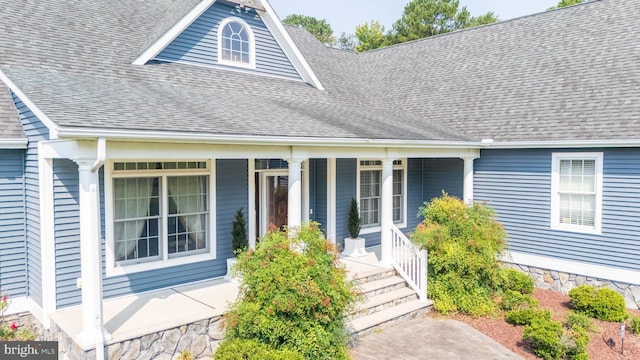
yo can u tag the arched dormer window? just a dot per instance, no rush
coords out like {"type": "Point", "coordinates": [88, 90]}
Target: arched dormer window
{"type": "Point", "coordinates": [236, 44]}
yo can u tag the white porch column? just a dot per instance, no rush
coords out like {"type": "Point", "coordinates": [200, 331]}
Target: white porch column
{"type": "Point", "coordinates": [331, 199]}
{"type": "Point", "coordinates": [468, 180]}
{"type": "Point", "coordinates": [295, 193]}
{"type": "Point", "coordinates": [90, 263]}
{"type": "Point", "coordinates": [386, 212]}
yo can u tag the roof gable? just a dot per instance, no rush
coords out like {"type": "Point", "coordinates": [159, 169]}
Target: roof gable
{"type": "Point", "coordinates": [198, 43]}
{"type": "Point", "coordinates": [194, 40]}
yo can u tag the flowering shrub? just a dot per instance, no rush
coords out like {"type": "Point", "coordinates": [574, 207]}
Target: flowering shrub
{"type": "Point", "coordinates": [12, 332]}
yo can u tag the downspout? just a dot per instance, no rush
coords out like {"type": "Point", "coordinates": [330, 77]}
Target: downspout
{"type": "Point", "coordinates": [100, 158]}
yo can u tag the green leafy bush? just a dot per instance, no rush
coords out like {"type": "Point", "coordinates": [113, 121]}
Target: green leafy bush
{"type": "Point", "coordinates": [574, 343]}
{"type": "Point", "coordinates": [604, 304]}
{"type": "Point", "coordinates": [12, 332]}
{"type": "Point", "coordinates": [252, 349]}
{"type": "Point", "coordinates": [512, 279]}
{"type": "Point", "coordinates": [579, 320]}
{"type": "Point", "coordinates": [545, 338]}
{"type": "Point", "coordinates": [239, 239]}
{"type": "Point", "coordinates": [293, 296]}
{"type": "Point", "coordinates": [514, 300]}
{"type": "Point", "coordinates": [634, 325]}
{"type": "Point", "coordinates": [354, 219]}
{"type": "Point", "coordinates": [527, 316]}
{"type": "Point", "coordinates": [462, 242]}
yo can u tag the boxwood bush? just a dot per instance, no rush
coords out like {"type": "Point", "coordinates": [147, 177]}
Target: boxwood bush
{"type": "Point", "coordinates": [604, 304]}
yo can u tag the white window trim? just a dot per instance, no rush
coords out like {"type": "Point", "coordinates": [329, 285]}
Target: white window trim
{"type": "Point", "coordinates": [555, 196]}
{"type": "Point", "coordinates": [378, 228]}
{"type": "Point", "coordinates": [252, 44]}
{"type": "Point", "coordinates": [117, 270]}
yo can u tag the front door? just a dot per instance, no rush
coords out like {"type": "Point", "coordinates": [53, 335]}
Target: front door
{"type": "Point", "coordinates": [274, 200]}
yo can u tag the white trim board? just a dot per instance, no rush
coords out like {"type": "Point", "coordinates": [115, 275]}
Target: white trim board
{"type": "Point", "coordinates": [573, 267]}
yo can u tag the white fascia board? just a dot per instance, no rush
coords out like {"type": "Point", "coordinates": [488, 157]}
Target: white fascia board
{"type": "Point", "coordinates": [172, 33]}
{"type": "Point", "coordinates": [573, 267]}
{"type": "Point", "coordinates": [13, 143]}
{"type": "Point", "coordinates": [53, 128]}
{"type": "Point", "coordinates": [561, 144]}
{"type": "Point", "coordinates": [281, 35]}
{"type": "Point", "coordinates": [158, 136]}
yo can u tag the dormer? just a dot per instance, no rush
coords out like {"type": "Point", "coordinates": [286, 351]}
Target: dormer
{"type": "Point", "coordinates": [235, 35]}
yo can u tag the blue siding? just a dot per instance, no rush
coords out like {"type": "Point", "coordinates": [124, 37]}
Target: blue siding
{"type": "Point", "coordinates": [415, 197]}
{"type": "Point", "coordinates": [231, 192]}
{"type": "Point", "coordinates": [442, 174]}
{"type": "Point", "coordinates": [13, 269]}
{"type": "Point", "coordinates": [318, 191]}
{"type": "Point", "coordinates": [35, 131]}
{"type": "Point", "coordinates": [67, 231]}
{"type": "Point", "coordinates": [345, 190]}
{"type": "Point", "coordinates": [517, 184]}
{"type": "Point", "coordinates": [198, 44]}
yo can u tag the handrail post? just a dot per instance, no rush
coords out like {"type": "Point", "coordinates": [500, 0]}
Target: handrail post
{"type": "Point", "coordinates": [423, 275]}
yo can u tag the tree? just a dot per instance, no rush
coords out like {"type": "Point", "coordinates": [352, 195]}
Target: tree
{"type": "Point", "coordinates": [319, 28]}
{"type": "Point", "coordinates": [370, 36]}
{"type": "Point", "coordinates": [239, 241]}
{"type": "Point", "coordinates": [564, 3]}
{"type": "Point", "coordinates": [423, 18]}
{"type": "Point", "coordinates": [346, 41]}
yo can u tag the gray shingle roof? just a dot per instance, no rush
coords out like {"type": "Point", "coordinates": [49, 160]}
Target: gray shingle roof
{"type": "Point", "coordinates": [10, 127]}
{"type": "Point", "coordinates": [567, 74]}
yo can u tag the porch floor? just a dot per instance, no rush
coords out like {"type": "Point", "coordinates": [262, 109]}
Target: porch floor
{"type": "Point", "coordinates": [137, 315]}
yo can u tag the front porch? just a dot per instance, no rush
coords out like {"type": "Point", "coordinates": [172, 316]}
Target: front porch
{"type": "Point", "coordinates": [162, 323]}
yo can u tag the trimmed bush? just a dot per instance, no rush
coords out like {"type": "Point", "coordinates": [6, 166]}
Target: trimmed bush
{"type": "Point", "coordinates": [252, 349]}
{"type": "Point", "coordinates": [462, 242]}
{"type": "Point", "coordinates": [514, 300]}
{"type": "Point", "coordinates": [545, 337]}
{"type": "Point", "coordinates": [239, 239]}
{"type": "Point", "coordinates": [354, 219]}
{"type": "Point", "coordinates": [604, 304]}
{"type": "Point", "coordinates": [512, 279]}
{"type": "Point", "coordinates": [293, 296]}
{"type": "Point", "coordinates": [634, 325]}
{"type": "Point", "coordinates": [527, 316]}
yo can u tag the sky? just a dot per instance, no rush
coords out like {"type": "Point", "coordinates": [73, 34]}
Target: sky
{"type": "Point", "coordinates": [345, 15]}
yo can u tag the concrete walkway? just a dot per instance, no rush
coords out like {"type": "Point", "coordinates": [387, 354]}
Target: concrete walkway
{"type": "Point", "coordinates": [429, 338]}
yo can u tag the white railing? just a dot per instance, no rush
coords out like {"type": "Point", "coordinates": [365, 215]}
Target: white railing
{"type": "Point", "coordinates": [410, 262]}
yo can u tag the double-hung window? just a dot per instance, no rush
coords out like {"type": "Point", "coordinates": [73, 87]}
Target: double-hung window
{"type": "Point", "coordinates": [159, 211]}
{"type": "Point", "coordinates": [370, 192]}
{"type": "Point", "coordinates": [236, 44]}
{"type": "Point", "coordinates": [576, 186]}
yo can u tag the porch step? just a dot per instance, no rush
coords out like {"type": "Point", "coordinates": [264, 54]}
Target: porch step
{"type": "Point", "coordinates": [383, 301]}
{"type": "Point", "coordinates": [386, 284]}
{"type": "Point", "coordinates": [388, 317]}
{"type": "Point", "coordinates": [372, 275]}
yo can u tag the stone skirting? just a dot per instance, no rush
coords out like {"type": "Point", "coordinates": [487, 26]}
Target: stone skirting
{"type": "Point", "coordinates": [563, 282]}
{"type": "Point", "coordinates": [201, 338]}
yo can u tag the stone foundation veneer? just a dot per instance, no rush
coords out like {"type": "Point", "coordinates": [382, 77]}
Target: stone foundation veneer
{"type": "Point", "coordinates": [201, 338]}
{"type": "Point", "coordinates": [563, 282]}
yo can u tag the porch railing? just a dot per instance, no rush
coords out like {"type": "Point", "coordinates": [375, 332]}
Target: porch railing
{"type": "Point", "coordinates": [410, 262]}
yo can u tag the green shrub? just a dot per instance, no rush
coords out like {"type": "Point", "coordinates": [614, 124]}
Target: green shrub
{"type": "Point", "coordinates": [527, 316]}
{"type": "Point", "coordinates": [574, 343]}
{"type": "Point", "coordinates": [512, 279]}
{"type": "Point", "coordinates": [634, 325]}
{"type": "Point", "coordinates": [579, 320]}
{"type": "Point", "coordinates": [293, 296]}
{"type": "Point", "coordinates": [239, 239]}
{"type": "Point", "coordinates": [252, 349]}
{"type": "Point", "coordinates": [354, 219]}
{"type": "Point", "coordinates": [514, 300]}
{"type": "Point", "coordinates": [545, 338]}
{"type": "Point", "coordinates": [462, 241]}
{"type": "Point", "coordinates": [604, 304]}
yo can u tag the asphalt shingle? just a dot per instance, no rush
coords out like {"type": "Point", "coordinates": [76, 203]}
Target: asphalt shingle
{"type": "Point", "coordinates": [569, 74]}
